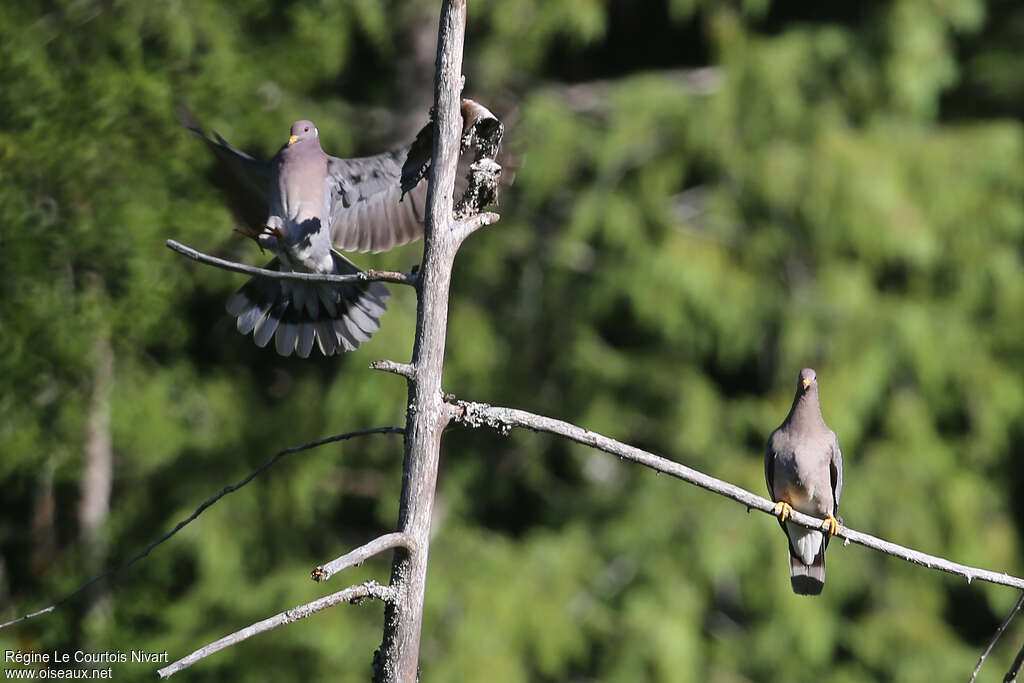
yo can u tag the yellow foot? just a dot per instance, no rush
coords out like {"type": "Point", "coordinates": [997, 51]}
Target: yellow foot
{"type": "Point", "coordinates": [832, 524]}
{"type": "Point", "coordinates": [782, 510]}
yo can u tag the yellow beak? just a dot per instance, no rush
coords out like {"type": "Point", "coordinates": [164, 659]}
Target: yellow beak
{"type": "Point", "coordinates": [292, 139]}
{"type": "Point", "coordinates": [805, 382]}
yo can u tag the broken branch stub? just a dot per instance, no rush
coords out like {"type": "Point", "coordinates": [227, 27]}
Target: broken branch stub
{"type": "Point", "coordinates": [482, 132]}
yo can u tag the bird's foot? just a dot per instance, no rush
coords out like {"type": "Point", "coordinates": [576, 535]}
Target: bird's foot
{"type": "Point", "coordinates": [782, 510]}
{"type": "Point", "coordinates": [266, 237]}
{"type": "Point", "coordinates": [831, 524]}
{"type": "Point", "coordinates": [274, 232]}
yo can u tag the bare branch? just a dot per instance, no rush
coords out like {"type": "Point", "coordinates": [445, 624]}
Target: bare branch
{"type": "Point", "coordinates": [468, 226]}
{"type": "Point", "coordinates": [363, 553]}
{"type": "Point", "coordinates": [505, 419]}
{"type": "Point", "coordinates": [352, 594]}
{"type": "Point", "coordinates": [410, 279]}
{"type": "Point", "coordinates": [404, 369]}
{"type": "Point", "coordinates": [996, 635]}
{"type": "Point", "coordinates": [199, 510]}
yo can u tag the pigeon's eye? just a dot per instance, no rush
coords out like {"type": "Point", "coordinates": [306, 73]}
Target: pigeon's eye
{"type": "Point", "coordinates": [306, 129]}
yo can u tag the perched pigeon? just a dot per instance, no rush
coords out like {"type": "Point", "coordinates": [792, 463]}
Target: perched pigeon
{"type": "Point", "coordinates": [314, 203]}
{"type": "Point", "coordinates": [804, 469]}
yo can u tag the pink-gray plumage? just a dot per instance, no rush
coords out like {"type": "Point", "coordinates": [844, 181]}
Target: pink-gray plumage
{"type": "Point", "coordinates": [316, 204]}
{"type": "Point", "coordinates": [804, 469]}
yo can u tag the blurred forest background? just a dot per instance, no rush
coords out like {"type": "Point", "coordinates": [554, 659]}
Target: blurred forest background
{"type": "Point", "coordinates": [713, 195]}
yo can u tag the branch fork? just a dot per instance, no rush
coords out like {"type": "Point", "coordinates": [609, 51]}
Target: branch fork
{"type": "Point", "coordinates": [407, 370]}
{"type": "Point", "coordinates": [364, 552]}
{"type": "Point", "coordinates": [353, 595]}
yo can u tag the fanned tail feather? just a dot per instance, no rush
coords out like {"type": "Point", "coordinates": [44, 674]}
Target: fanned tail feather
{"type": "Point", "coordinates": [301, 315]}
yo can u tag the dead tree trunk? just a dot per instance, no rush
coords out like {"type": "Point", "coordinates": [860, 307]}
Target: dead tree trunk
{"type": "Point", "coordinates": [427, 413]}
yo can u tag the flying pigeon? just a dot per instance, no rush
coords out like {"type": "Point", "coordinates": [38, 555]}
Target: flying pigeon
{"type": "Point", "coordinates": [315, 205]}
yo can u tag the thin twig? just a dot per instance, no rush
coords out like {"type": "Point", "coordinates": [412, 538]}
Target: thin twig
{"type": "Point", "coordinates": [362, 276]}
{"type": "Point", "coordinates": [352, 594]}
{"type": "Point", "coordinates": [199, 510]}
{"type": "Point", "coordinates": [505, 419]}
{"type": "Point", "coordinates": [361, 554]}
{"type": "Point", "coordinates": [468, 226]}
{"type": "Point", "coordinates": [996, 635]}
{"type": "Point", "coordinates": [404, 369]}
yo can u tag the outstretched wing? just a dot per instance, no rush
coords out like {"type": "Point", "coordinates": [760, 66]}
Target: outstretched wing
{"type": "Point", "coordinates": [252, 173]}
{"type": "Point", "coordinates": [366, 208]}
{"type": "Point", "coordinates": [246, 181]}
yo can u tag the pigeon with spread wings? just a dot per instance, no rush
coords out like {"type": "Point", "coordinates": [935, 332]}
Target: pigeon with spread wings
{"type": "Point", "coordinates": [316, 204]}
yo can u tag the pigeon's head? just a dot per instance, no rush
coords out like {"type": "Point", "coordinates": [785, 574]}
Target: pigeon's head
{"type": "Point", "coordinates": [303, 130]}
{"type": "Point", "coordinates": [808, 379]}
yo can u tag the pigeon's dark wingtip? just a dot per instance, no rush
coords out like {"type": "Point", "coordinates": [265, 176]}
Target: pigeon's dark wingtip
{"type": "Point", "coordinates": [187, 118]}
